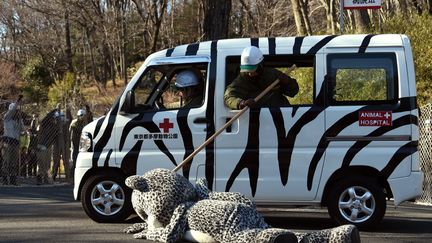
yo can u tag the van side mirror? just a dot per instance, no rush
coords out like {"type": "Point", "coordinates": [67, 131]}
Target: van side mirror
{"type": "Point", "coordinates": [129, 103]}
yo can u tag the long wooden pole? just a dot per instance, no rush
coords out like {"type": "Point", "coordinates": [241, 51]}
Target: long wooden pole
{"type": "Point", "coordinates": [210, 139]}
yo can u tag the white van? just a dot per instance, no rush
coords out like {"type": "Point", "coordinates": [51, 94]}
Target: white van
{"type": "Point", "coordinates": [348, 140]}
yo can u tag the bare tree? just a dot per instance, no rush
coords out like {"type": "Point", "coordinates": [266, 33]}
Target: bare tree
{"type": "Point", "coordinates": [298, 16]}
{"type": "Point", "coordinates": [216, 19]}
{"type": "Point", "coordinates": [400, 6]}
{"type": "Point", "coordinates": [304, 9]}
{"type": "Point", "coordinates": [250, 16]}
{"type": "Point", "coordinates": [265, 18]}
{"type": "Point", "coordinates": [330, 11]}
{"type": "Point", "coordinates": [68, 49]}
{"type": "Point", "coordinates": [154, 12]}
{"type": "Point", "coordinates": [362, 21]}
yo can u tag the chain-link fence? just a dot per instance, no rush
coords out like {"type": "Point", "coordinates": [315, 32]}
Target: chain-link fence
{"type": "Point", "coordinates": [36, 143]}
{"type": "Point", "coordinates": [425, 153]}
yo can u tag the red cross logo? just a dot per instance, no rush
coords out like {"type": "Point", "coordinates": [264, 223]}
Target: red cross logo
{"type": "Point", "coordinates": [166, 125]}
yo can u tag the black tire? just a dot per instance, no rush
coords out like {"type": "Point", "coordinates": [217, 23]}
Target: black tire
{"type": "Point", "coordinates": [105, 198]}
{"type": "Point", "coordinates": [357, 200]}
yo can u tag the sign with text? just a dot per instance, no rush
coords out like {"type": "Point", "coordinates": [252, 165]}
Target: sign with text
{"type": "Point", "coordinates": [375, 118]}
{"type": "Point", "coordinates": [361, 4]}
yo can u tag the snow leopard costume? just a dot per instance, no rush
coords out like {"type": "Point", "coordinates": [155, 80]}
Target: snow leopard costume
{"type": "Point", "coordinates": [173, 210]}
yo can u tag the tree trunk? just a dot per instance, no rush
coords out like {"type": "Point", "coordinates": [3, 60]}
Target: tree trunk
{"type": "Point", "coordinates": [400, 7]}
{"type": "Point", "coordinates": [325, 4]}
{"type": "Point", "coordinates": [200, 19]}
{"type": "Point", "coordinates": [68, 50]}
{"type": "Point", "coordinates": [403, 7]}
{"type": "Point", "coordinates": [332, 16]}
{"type": "Point", "coordinates": [374, 16]}
{"type": "Point", "coordinates": [159, 11]}
{"type": "Point", "coordinates": [92, 56]}
{"type": "Point", "coordinates": [121, 8]}
{"type": "Point", "coordinates": [330, 10]}
{"type": "Point", "coordinates": [124, 50]}
{"type": "Point", "coordinates": [428, 4]}
{"type": "Point", "coordinates": [362, 21]}
{"type": "Point", "coordinates": [108, 71]}
{"type": "Point", "coordinates": [216, 19]}
{"type": "Point", "coordinates": [84, 53]}
{"type": "Point", "coordinates": [304, 12]}
{"type": "Point", "coordinates": [301, 29]}
{"type": "Point", "coordinates": [251, 16]}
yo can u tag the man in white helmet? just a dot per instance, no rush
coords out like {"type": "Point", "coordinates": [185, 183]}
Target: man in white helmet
{"type": "Point", "coordinates": [190, 87]}
{"type": "Point", "coordinates": [253, 79]}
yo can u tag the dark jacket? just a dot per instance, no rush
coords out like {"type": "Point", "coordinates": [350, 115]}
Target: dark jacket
{"type": "Point", "coordinates": [245, 87]}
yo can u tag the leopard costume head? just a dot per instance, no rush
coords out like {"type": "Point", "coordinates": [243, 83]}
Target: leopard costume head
{"type": "Point", "coordinates": [162, 190]}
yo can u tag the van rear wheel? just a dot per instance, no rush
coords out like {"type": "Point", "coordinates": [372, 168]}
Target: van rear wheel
{"type": "Point", "coordinates": [359, 201]}
{"type": "Point", "coordinates": [105, 198]}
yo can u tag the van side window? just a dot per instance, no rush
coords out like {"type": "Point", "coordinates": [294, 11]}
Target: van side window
{"type": "Point", "coordinates": [160, 89]}
{"type": "Point", "coordinates": [144, 87]}
{"type": "Point", "coordinates": [362, 78]}
{"type": "Point", "coordinates": [304, 73]}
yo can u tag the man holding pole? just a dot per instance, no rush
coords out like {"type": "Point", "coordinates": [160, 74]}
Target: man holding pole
{"type": "Point", "coordinates": [255, 85]}
{"type": "Point", "coordinates": [253, 79]}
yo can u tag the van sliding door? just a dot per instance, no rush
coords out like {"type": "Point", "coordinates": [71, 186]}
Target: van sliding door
{"type": "Point", "coordinates": [267, 153]}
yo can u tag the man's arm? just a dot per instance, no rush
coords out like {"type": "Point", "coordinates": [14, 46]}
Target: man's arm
{"type": "Point", "coordinates": [232, 96]}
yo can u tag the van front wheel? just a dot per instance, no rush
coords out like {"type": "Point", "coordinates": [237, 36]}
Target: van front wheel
{"type": "Point", "coordinates": [105, 198]}
{"type": "Point", "coordinates": [359, 201]}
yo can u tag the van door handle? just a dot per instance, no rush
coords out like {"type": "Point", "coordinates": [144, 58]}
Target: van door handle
{"type": "Point", "coordinates": [200, 120]}
{"type": "Point", "coordinates": [229, 128]}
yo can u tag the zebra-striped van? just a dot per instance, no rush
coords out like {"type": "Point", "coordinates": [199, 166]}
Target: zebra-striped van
{"type": "Point", "coordinates": [348, 139]}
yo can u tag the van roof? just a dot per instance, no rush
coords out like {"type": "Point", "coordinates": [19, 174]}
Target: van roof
{"type": "Point", "coordinates": [304, 43]}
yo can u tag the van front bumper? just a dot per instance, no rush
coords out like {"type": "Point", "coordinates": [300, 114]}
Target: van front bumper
{"type": "Point", "coordinates": [407, 188]}
{"type": "Point", "coordinates": [83, 164]}
{"type": "Point", "coordinates": [79, 174]}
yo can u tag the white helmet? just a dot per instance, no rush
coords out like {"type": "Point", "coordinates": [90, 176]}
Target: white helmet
{"type": "Point", "coordinates": [13, 106]}
{"type": "Point", "coordinates": [250, 58]}
{"type": "Point", "coordinates": [186, 78]}
{"type": "Point", "coordinates": [81, 112]}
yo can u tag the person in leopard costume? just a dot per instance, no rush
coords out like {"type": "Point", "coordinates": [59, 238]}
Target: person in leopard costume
{"type": "Point", "coordinates": [173, 209]}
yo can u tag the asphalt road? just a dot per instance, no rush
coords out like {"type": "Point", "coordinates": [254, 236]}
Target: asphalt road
{"type": "Point", "coordinates": [49, 214]}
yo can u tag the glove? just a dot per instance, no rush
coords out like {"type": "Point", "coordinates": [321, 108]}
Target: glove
{"type": "Point", "coordinates": [249, 102]}
{"type": "Point", "coordinates": [290, 86]}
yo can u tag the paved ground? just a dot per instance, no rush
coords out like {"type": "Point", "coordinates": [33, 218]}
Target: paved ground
{"type": "Point", "coordinates": [49, 214]}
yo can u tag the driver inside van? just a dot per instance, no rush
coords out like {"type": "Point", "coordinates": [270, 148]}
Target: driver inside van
{"type": "Point", "coordinates": [190, 87]}
{"type": "Point", "coordinates": [253, 79]}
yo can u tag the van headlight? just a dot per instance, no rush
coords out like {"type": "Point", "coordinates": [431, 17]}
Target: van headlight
{"type": "Point", "coordinates": [85, 142]}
